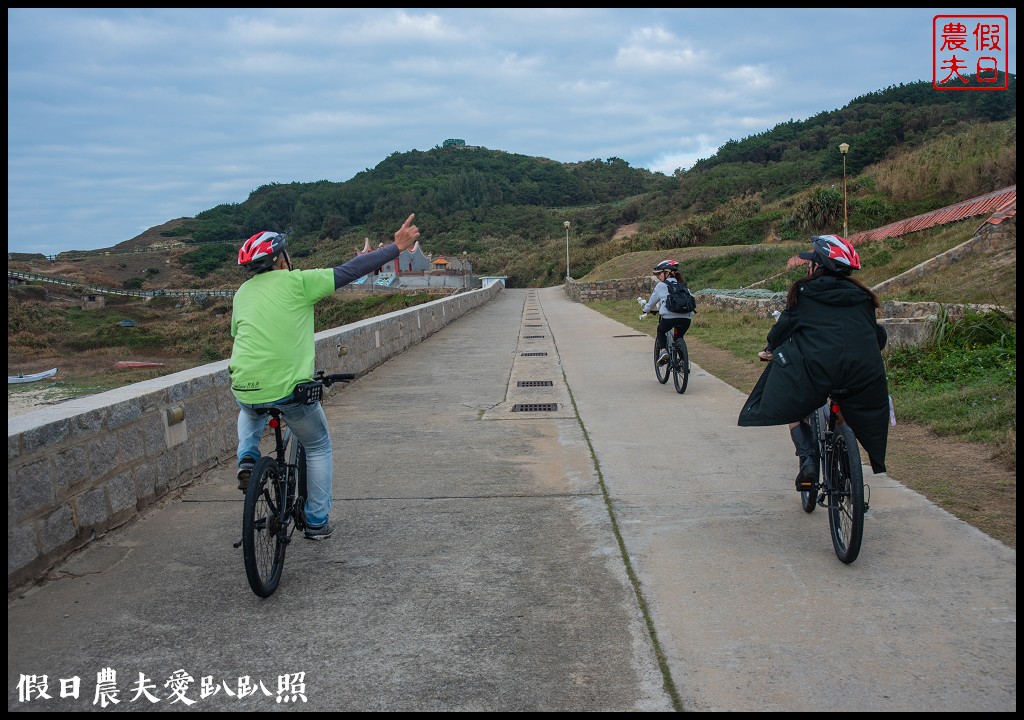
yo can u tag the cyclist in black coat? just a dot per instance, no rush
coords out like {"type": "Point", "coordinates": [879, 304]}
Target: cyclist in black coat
{"type": "Point", "coordinates": [827, 338]}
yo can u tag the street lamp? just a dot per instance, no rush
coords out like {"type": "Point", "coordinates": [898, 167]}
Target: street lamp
{"type": "Point", "coordinates": [843, 148]}
{"type": "Point", "coordinates": [566, 224]}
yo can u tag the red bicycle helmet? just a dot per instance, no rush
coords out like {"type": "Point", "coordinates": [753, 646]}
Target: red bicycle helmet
{"type": "Point", "coordinates": [833, 253]}
{"type": "Point", "coordinates": [261, 251]}
{"type": "Point", "coordinates": [667, 266]}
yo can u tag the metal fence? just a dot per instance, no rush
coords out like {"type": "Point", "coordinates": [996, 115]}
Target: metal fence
{"type": "Point", "coordinates": [90, 287]}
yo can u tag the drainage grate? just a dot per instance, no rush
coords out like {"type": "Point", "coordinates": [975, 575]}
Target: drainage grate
{"type": "Point", "coordinates": [533, 354]}
{"type": "Point", "coordinates": [533, 337]}
{"type": "Point", "coordinates": [534, 383]}
{"type": "Point", "coordinates": [534, 407]}
{"type": "Point", "coordinates": [534, 326]}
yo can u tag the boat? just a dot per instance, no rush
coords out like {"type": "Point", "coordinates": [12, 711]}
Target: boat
{"type": "Point", "coordinates": [134, 364]}
{"type": "Point", "coordinates": [31, 377]}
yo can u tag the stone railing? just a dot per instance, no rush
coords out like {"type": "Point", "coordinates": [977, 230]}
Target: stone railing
{"type": "Point", "coordinates": [81, 467]}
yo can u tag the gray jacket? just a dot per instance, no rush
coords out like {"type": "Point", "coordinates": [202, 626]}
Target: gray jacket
{"type": "Point", "coordinates": [658, 296]}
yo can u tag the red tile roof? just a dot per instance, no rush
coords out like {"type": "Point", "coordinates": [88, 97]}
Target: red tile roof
{"type": "Point", "coordinates": [998, 205]}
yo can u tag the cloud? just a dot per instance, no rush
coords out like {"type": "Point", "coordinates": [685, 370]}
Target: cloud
{"type": "Point", "coordinates": [122, 119]}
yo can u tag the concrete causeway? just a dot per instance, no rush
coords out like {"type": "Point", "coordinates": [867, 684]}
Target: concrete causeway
{"type": "Point", "coordinates": [521, 528]}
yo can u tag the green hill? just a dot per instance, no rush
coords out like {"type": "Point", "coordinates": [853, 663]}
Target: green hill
{"type": "Point", "coordinates": [912, 150]}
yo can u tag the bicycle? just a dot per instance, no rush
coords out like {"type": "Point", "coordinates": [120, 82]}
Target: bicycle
{"type": "Point", "coordinates": [276, 496]}
{"type": "Point", "coordinates": [840, 488]}
{"type": "Point", "coordinates": [678, 365]}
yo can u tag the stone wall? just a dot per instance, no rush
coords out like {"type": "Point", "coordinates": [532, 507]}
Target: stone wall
{"type": "Point", "coordinates": [81, 467]}
{"type": "Point", "coordinates": [619, 289]}
{"type": "Point", "coordinates": [986, 238]}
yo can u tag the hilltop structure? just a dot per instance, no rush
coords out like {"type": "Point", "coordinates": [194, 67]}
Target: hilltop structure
{"type": "Point", "coordinates": [417, 268]}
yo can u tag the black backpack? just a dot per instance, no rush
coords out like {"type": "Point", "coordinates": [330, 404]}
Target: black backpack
{"type": "Point", "coordinates": [680, 299]}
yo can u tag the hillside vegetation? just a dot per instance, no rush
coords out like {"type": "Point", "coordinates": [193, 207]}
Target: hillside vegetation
{"type": "Point", "coordinates": [912, 150]}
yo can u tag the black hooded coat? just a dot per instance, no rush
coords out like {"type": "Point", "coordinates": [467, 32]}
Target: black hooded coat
{"type": "Point", "coordinates": [829, 340]}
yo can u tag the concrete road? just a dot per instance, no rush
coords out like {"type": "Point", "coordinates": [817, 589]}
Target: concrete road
{"type": "Point", "coordinates": [521, 527]}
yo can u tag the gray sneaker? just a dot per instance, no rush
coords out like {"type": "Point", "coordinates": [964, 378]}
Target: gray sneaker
{"type": "Point", "coordinates": [245, 466]}
{"type": "Point", "coordinates": [663, 358]}
{"type": "Point", "coordinates": [319, 532]}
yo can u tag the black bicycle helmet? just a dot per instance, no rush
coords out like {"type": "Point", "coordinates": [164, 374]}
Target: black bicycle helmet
{"type": "Point", "coordinates": [260, 252]}
{"type": "Point", "coordinates": [667, 266]}
{"type": "Point", "coordinates": [833, 253]}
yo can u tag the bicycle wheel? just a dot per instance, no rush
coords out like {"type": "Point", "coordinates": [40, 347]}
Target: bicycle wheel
{"type": "Point", "coordinates": [846, 495]}
{"type": "Point", "coordinates": [263, 542]}
{"type": "Point", "coordinates": [680, 366]}
{"type": "Point", "coordinates": [809, 498]}
{"type": "Point", "coordinates": [661, 371]}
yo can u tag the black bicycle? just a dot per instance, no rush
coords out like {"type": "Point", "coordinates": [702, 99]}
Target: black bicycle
{"type": "Point", "coordinates": [276, 496]}
{"type": "Point", "coordinates": [840, 488]}
{"type": "Point", "coordinates": [678, 364]}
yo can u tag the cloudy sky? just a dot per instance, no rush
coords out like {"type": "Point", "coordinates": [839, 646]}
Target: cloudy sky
{"type": "Point", "coordinates": [122, 119]}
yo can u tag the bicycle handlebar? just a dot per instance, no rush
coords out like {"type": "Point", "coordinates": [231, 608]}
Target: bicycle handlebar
{"type": "Point", "coordinates": [329, 380]}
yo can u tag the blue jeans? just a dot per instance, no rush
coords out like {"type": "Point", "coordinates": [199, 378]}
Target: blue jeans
{"type": "Point", "coordinates": [309, 425]}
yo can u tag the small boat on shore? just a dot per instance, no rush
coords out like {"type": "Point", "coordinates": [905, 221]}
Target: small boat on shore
{"type": "Point", "coordinates": [135, 364]}
{"type": "Point", "coordinates": [31, 377]}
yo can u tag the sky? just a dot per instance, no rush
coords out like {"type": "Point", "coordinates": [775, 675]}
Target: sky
{"type": "Point", "coordinates": [119, 120]}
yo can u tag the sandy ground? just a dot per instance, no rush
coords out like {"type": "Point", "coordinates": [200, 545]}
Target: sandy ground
{"type": "Point", "coordinates": [23, 401]}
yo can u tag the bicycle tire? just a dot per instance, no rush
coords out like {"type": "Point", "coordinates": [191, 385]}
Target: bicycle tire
{"type": "Point", "coordinates": [660, 371]}
{"type": "Point", "coordinates": [263, 543]}
{"type": "Point", "coordinates": [680, 366]}
{"type": "Point", "coordinates": [809, 498]}
{"type": "Point", "coordinates": [846, 495]}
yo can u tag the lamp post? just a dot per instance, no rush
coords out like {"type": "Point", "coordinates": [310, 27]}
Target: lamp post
{"type": "Point", "coordinates": [465, 269]}
{"type": "Point", "coordinates": [843, 148]}
{"type": "Point", "coordinates": [566, 224]}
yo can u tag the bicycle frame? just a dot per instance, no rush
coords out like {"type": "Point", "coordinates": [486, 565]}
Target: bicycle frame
{"type": "Point", "coordinates": [286, 450]}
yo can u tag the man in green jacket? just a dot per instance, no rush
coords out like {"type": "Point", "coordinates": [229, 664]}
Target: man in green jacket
{"type": "Point", "coordinates": [274, 350]}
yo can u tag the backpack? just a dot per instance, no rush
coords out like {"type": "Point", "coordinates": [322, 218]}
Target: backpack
{"type": "Point", "coordinates": [680, 299]}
